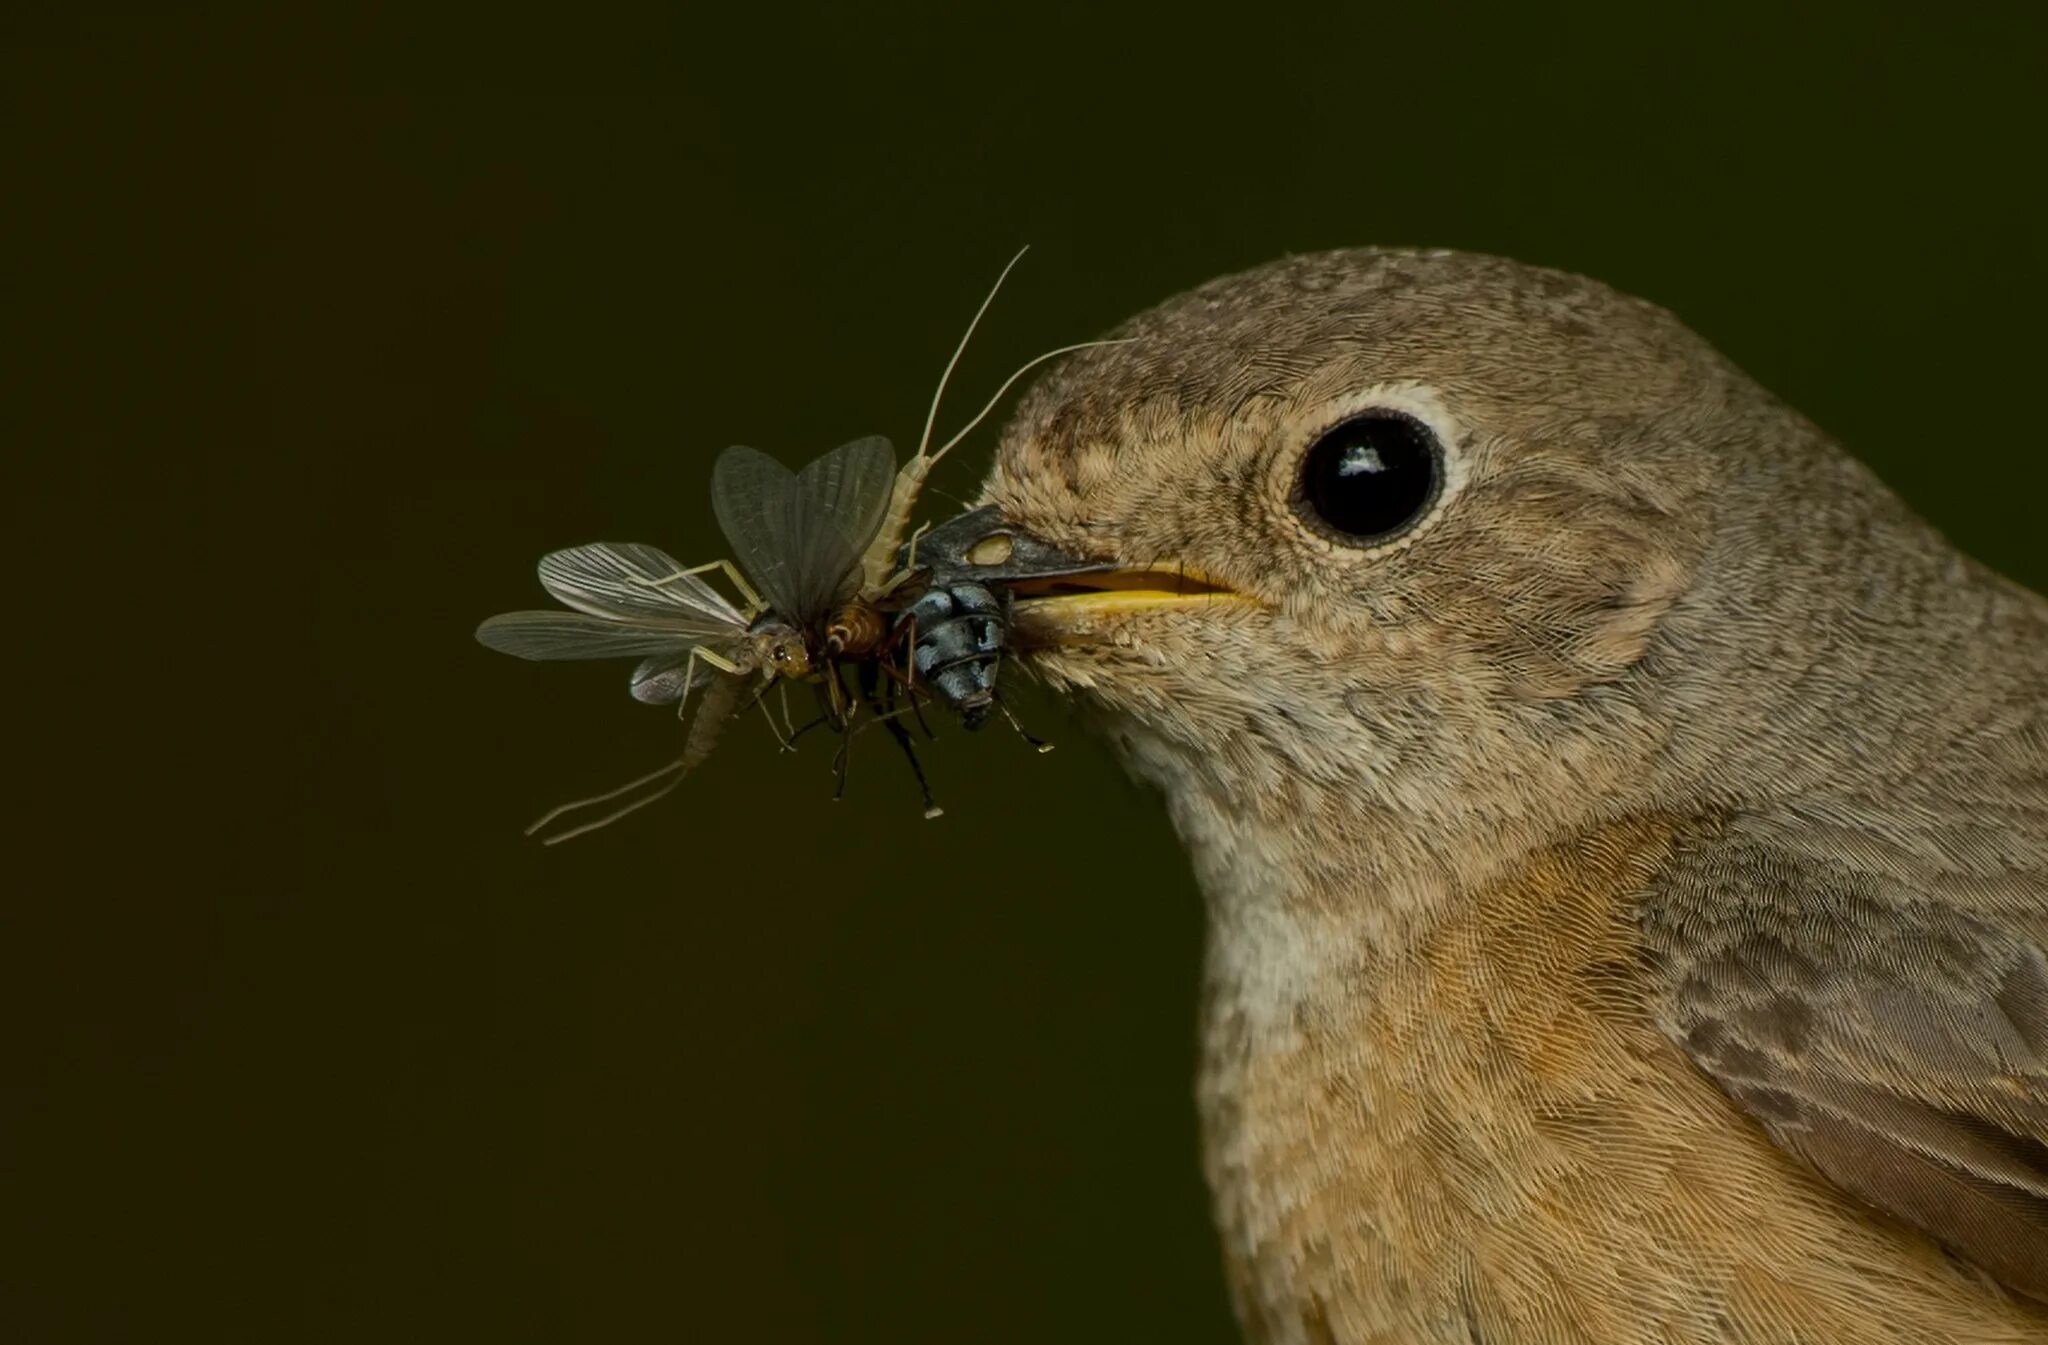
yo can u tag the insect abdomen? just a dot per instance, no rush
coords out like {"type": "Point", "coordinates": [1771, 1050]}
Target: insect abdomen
{"type": "Point", "coordinates": [857, 629]}
{"type": "Point", "coordinates": [959, 646]}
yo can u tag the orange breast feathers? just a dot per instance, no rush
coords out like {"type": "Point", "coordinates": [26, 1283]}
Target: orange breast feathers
{"type": "Point", "coordinates": [1487, 1137]}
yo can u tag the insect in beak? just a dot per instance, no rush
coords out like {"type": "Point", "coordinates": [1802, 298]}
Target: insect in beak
{"type": "Point", "coordinates": [980, 547]}
{"type": "Point", "coordinates": [1061, 597]}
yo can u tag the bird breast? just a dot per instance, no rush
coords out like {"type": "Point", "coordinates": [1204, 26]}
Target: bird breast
{"type": "Point", "coordinates": [1484, 1137]}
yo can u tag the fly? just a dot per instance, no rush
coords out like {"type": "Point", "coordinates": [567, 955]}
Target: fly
{"type": "Point", "coordinates": [797, 536]}
{"type": "Point", "coordinates": [829, 581]}
{"type": "Point", "coordinates": [961, 619]}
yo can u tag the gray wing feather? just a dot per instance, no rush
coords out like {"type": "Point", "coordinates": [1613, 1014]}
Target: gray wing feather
{"type": "Point", "coordinates": [1868, 980]}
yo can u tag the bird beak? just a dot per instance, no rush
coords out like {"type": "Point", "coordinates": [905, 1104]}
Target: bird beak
{"type": "Point", "coordinates": [1062, 598]}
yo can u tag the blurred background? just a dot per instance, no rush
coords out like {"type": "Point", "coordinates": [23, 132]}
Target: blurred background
{"type": "Point", "coordinates": [322, 326]}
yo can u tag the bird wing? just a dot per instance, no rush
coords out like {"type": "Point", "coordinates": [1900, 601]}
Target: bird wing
{"type": "Point", "coordinates": [1867, 979]}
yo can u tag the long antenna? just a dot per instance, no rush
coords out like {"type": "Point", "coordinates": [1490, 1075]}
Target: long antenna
{"type": "Point", "coordinates": [1011, 382]}
{"type": "Point", "coordinates": [924, 440]}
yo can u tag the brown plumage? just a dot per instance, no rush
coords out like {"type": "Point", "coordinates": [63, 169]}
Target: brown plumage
{"type": "Point", "coordinates": [1628, 885]}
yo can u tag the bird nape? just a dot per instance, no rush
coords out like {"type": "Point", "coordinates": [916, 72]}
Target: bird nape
{"type": "Point", "coordinates": [1623, 824]}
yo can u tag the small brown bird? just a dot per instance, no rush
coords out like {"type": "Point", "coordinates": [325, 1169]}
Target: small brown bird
{"type": "Point", "coordinates": [1624, 825]}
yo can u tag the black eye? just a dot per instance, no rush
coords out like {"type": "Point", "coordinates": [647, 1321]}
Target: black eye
{"type": "Point", "coordinates": [1370, 478]}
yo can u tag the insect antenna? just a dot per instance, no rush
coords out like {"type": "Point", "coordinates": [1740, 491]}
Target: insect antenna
{"type": "Point", "coordinates": [1011, 382]}
{"type": "Point", "coordinates": [931, 417]}
{"type": "Point", "coordinates": [924, 440]}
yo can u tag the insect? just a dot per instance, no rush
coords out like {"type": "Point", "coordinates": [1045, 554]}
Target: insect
{"type": "Point", "coordinates": [798, 537]}
{"type": "Point", "coordinates": [962, 616]}
{"type": "Point", "coordinates": [828, 581]}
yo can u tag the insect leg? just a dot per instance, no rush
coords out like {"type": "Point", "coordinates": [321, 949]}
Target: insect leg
{"type": "Point", "coordinates": [917, 713]}
{"type": "Point", "coordinates": [890, 718]}
{"type": "Point", "coordinates": [761, 699]}
{"type": "Point", "coordinates": [703, 653]}
{"type": "Point", "coordinates": [839, 760]}
{"type": "Point", "coordinates": [907, 679]}
{"type": "Point", "coordinates": [1041, 744]}
{"type": "Point", "coordinates": [804, 728]}
{"type": "Point", "coordinates": [842, 699]}
{"type": "Point", "coordinates": [739, 581]}
{"type": "Point", "coordinates": [844, 704]}
{"type": "Point", "coordinates": [909, 561]}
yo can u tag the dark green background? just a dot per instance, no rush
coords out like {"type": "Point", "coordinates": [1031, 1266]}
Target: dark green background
{"type": "Point", "coordinates": [320, 330]}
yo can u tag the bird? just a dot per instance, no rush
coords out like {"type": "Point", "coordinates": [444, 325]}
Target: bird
{"type": "Point", "coordinates": [1621, 822]}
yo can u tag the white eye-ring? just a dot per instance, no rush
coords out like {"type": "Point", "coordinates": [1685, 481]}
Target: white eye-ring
{"type": "Point", "coordinates": [1362, 477]}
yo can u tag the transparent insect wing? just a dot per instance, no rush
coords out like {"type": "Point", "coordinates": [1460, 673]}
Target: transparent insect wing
{"type": "Point", "coordinates": [629, 602]}
{"type": "Point", "coordinates": [660, 680]}
{"type": "Point", "coordinates": [754, 498]}
{"type": "Point", "coordinates": [626, 581]}
{"type": "Point", "coordinates": [850, 486]}
{"type": "Point", "coordinates": [578, 635]}
{"type": "Point", "coordinates": [799, 536]}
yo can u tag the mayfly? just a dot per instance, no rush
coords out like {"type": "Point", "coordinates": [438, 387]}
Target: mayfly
{"type": "Point", "coordinates": [821, 560]}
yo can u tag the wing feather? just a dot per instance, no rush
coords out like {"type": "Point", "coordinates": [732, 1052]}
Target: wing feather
{"type": "Point", "coordinates": [1877, 999]}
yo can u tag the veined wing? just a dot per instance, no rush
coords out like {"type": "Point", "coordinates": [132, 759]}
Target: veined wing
{"type": "Point", "coordinates": [577, 635]}
{"type": "Point", "coordinates": [850, 487]}
{"type": "Point", "coordinates": [625, 581]}
{"type": "Point", "coordinates": [630, 603]}
{"type": "Point", "coordinates": [664, 679]}
{"type": "Point", "coordinates": [799, 536]}
{"type": "Point", "coordinates": [755, 500]}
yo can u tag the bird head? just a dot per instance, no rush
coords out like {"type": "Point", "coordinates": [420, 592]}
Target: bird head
{"type": "Point", "coordinates": [1412, 554]}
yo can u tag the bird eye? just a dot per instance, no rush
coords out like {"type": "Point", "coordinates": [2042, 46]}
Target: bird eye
{"type": "Point", "coordinates": [1370, 478]}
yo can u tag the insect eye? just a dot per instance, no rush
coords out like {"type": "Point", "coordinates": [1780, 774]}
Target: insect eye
{"type": "Point", "coordinates": [1369, 479]}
